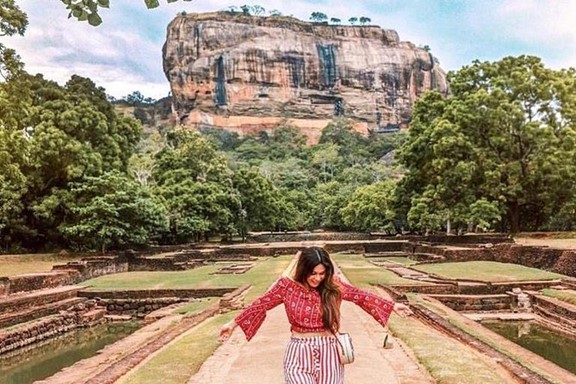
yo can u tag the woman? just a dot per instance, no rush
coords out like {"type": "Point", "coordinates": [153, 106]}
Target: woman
{"type": "Point", "coordinates": [312, 301]}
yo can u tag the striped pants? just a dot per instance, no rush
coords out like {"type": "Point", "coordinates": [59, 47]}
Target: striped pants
{"type": "Point", "coordinates": [313, 360]}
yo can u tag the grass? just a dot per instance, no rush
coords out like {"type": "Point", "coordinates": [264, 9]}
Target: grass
{"type": "Point", "coordinates": [183, 357]}
{"type": "Point", "coordinates": [195, 306]}
{"type": "Point", "coordinates": [401, 260]}
{"type": "Point", "coordinates": [12, 265]}
{"type": "Point", "coordinates": [488, 271]}
{"type": "Point", "coordinates": [562, 240]}
{"type": "Point", "coordinates": [447, 360]}
{"type": "Point", "coordinates": [473, 330]}
{"type": "Point", "coordinates": [357, 268]}
{"type": "Point", "coordinates": [568, 296]}
{"type": "Point", "coordinates": [201, 277]}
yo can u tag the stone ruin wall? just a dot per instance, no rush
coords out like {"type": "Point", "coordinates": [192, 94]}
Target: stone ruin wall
{"type": "Point", "coordinates": [48, 328]}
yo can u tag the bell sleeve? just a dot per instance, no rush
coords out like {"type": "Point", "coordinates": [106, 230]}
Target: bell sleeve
{"type": "Point", "coordinates": [376, 306]}
{"type": "Point", "coordinates": [252, 317]}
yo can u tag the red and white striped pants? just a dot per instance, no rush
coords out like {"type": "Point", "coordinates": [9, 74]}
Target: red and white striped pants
{"type": "Point", "coordinates": [313, 360]}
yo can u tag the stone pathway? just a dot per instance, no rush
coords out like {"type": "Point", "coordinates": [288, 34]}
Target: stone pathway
{"type": "Point", "coordinates": [260, 360]}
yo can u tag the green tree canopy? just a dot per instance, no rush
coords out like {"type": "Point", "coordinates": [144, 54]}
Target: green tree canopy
{"type": "Point", "coordinates": [505, 136]}
{"type": "Point", "coordinates": [370, 207]}
{"type": "Point", "coordinates": [112, 210]}
{"type": "Point", "coordinates": [88, 10]}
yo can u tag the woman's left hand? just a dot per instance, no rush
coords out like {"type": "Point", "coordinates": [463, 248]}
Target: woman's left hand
{"type": "Point", "coordinates": [402, 310]}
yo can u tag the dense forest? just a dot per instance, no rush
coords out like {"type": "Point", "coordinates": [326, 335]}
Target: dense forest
{"type": "Point", "coordinates": [77, 172]}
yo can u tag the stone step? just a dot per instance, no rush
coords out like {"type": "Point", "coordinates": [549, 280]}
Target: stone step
{"type": "Point", "coordinates": [36, 312]}
{"type": "Point", "coordinates": [47, 327]}
{"type": "Point", "coordinates": [570, 283]}
{"type": "Point", "coordinates": [387, 254]}
{"type": "Point", "coordinates": [423, 257]}
{"type": "Point", "coordinates": [554, 320]}
{"type": "Point", "coordinates": [20, 302]}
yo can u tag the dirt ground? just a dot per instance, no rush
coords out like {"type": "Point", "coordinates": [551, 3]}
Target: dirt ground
{"type": "Point", "coordinates": [544, 242]}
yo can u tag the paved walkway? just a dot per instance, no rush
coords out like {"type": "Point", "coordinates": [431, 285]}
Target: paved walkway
{"type": "Point", "coordinates": [260, 360]}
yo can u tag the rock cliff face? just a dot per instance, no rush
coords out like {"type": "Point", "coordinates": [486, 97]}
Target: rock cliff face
{"type": "Point", "coordinates": [247, 73]}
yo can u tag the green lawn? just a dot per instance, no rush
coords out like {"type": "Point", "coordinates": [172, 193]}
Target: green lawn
{"type": "Point", "coordinates": [358, 269]}
{"type": "Point", "coordinates": [195, 306]}
{"type": "Point", "coordinates": [182, 358]}
{"type": "Point", "coordinates": [11, 265]}
{"type": "Point", "coordinates": [201, 341]}
{"type": "Point", "coordinates": [264, 272]}
{"type": "Point", "coordinates": [487, 271]}
{"type": "Point", "coordinates": [447, 360]}
{"type": "Point", "coordinates": [569, 296]}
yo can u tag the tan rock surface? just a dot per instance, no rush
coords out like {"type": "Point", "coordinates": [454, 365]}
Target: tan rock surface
{"type": "Point", "coordinates": [235, 72]}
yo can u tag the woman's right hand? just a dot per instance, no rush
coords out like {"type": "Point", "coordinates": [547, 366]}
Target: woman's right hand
{"type": "Point", "coordinates": [226, 331]}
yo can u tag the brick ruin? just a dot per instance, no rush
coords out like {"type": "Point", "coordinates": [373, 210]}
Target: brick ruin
{"type": "Point", "coordinates": [53, 303]}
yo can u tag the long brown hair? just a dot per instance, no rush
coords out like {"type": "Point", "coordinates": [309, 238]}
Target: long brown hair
{"type": "Point", "coordinates": [330, 293]}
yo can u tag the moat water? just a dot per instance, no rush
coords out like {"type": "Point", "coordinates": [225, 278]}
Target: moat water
{"type": "Point", "coordinates": [45, 360]}
{"type": "Point", "coordinates": [551, 345]}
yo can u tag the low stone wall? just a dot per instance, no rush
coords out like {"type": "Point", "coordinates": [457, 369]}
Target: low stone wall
{"type": "Point", "coordinates": [155, 293]}
{"type": "Point", "coordinates": [307, 236]}
{"type": "Point", "coordinates": [479, 289]}
{"type": "Point", "coordinates": [64, 274]}
{"type": "Point", "coordinates": [35, 281]}
{"type": "Point", "coordinates": [385, 246]}
{"type": "Point", "coordinates": [553, 306]}
{"type": "Point", "coordinates": [476, 302]}
{"type": "Point", "coordinates": [4, 286]}
{"type": "Point", "coordinates": [163, 264]}
{"type": "Point", "coordinates": [90, 268]}
{"type": "Point", "coordinates": [48, 328]}
{"type": "Point", "coordinates": [434, 289]}
{"type": "Point", "coordinates": [233, 300]}
{"type": "Point", "coordinates": [137, 307]}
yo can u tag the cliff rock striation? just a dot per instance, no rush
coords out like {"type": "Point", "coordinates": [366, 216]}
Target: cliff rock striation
{"type": "Point", "coordinates": [248, 73]}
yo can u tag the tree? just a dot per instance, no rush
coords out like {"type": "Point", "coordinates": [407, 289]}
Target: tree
{"type": "Point", "coordinates": [364, 20]}
{"type": "Point", "coordinates": [370, 208]}
{"type": "Point", "coordinates": [112, 210]}
{"type": "Point", "coordinates": [12, 20]}
{"type": "Point", "coordinates": [258, 10]}
{"type": "Point", "coordinates": [73, 132]}
{"type": "Point", "coordinates": [135, 98]}
{"type": "Point", "coordinates": [318, 17]}
{"type": "Point", "coordinates": [259, 201]}
{"type": "Point", "coordinates": [353, 20]}
{"type": "Point", "coordinates": [335, 20]}
{"type": "Point", "coordinates": [330, 198]}
{"type": "Point", "coordinates": [88, 10]}
{"type": "Point", "coordinates": [246, 9]}
{"type": "Point", "coordinates": [13, 183]}
{"type": "Point", "coordinates": [504, 138]}
{"type": "Point", "coordinates": [194, 181]}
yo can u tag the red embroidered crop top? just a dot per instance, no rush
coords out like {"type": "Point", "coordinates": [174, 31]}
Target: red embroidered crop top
{"type": "Point", "coordinates": [303, 307]}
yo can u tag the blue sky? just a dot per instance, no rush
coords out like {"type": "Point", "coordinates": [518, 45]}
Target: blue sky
{"type": "Point", "coordinates": [124, 53]}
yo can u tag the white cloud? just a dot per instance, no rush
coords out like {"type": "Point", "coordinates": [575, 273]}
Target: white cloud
{"type": "Point", "coordinates": [124, 53]}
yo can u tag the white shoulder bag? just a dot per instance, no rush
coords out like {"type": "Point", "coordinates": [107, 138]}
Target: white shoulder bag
{"type": "Point", "coordinates": [345, 348]}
